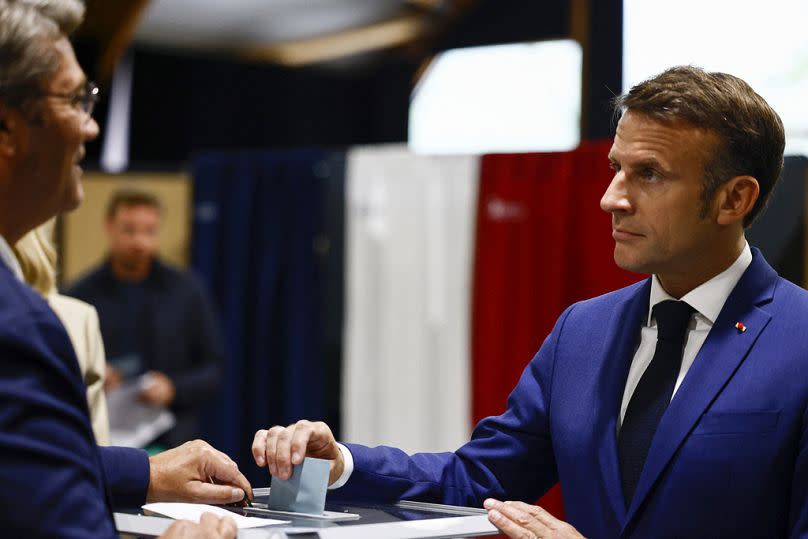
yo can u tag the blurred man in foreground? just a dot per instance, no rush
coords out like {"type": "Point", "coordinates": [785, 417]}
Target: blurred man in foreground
{"type": "Point", "coordinates": [56, 482]}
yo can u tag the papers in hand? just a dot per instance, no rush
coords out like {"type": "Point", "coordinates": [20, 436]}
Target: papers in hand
{"type": "Point", "coordinates": [131, 422]}
{"type": "Point", "coordinates": [194, 511]}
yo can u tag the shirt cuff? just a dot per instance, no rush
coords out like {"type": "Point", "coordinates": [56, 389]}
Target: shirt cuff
{"type": "Point", "coordinates": [347, 469]}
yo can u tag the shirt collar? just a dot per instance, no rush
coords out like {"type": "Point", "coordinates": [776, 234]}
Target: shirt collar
{"type": "Point", "coordinates": [708, 298]}
{"type": "Point", "coordinates": [9, 259]}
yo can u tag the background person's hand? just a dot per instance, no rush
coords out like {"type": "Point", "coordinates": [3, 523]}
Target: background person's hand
{"type": "Point", "coordinates": [157, 389]}
{"type": "Point", "coordinates": [196, 472]}
{"type": "Point", "coordinates": [519, 520]}
{"type": "Point", "coordinates": [280, 448]}
{"type": "Point", "coordinates": [210, 527]}
{"type": "Point", "coordinates": [112, 378]}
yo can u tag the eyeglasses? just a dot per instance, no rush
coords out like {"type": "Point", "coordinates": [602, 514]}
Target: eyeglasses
{"type": "Point", "coordinates": [84, 99]}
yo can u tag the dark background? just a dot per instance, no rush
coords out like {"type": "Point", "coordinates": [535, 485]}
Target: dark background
{"type": "Point", "coordinates": [184, 103]}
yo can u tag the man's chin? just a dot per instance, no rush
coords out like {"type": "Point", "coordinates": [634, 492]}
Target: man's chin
{"type": "Point", "coordinates": [629, 263]}
{"type": "Point", "coordinates": [74, 199]}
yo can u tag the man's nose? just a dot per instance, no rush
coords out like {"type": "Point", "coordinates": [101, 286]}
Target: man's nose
{"type": "Point", "coordinates": [615, 199]}
{"type": "Point", "coordinates": [90, 129]}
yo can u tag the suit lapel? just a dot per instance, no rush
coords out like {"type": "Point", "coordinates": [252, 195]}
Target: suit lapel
{"type": "Point", "coordinates": [719, 358]}
{"type": "Point", "coordinates": [624, 328]}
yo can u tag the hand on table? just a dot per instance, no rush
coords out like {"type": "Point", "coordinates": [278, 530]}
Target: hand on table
{"type": "Point", "coordinates": [279, 448]}
{"type": "Point", "coordinates": [210, 527]}
{"type": "Point", "coordinates": [196, 472]}
{"type": "Point", "coordinates": [519, 520]}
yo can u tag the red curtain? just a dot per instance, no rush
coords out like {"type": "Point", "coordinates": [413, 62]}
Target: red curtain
{"type": "Point", "coordinates": [542, 243]}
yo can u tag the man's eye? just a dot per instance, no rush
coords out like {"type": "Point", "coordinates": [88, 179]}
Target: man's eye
{"type": "Point", "coordinates": [76, 100]}
{"type": "Point", "coordinates": [649, 174]}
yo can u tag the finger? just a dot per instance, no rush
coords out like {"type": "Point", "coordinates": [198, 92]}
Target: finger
{"type": "Point", "coordinates": [259, 446]}
{"type": "Point", "coordinates": [271, 449]}
{"type": "Point", "coordinates": [220, 467]}
{"type": "Point", "coordinates": [300, 440]}
{"type": "Point", "coordinates": [227, 528]}
{"type": "Point", "coordinates": [545, 517]}
{"type": "Point", "coordinates": [209, 521]}
{"type": "Point", "coordinates": [228, 473]}
{"type": "Point", "coordinates": [521, 514]}
{"type": "Point", "coordinates": [199, 492]}
{"type": "Point", "coordinates": [283, 452]}
{"type": "Point", "coordinates": [179, 529]}
{"type": "Point", "coordinates": [509, 527]}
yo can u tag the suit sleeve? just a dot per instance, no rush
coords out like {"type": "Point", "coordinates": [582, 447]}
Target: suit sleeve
{"type": "Point", "coordinates": [127, 473]}
{"type": "Point", "coordinates": [51, 476]}
{"type": "Point", "coordinates": [799, 485]}
{"type": "Point", "coordinates": [194, 385]}
{"type": "Point", "coordinates": [509, 456]}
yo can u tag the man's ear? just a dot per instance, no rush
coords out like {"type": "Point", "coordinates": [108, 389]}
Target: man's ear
{"type": "Point", "coordinates": [736, 198]}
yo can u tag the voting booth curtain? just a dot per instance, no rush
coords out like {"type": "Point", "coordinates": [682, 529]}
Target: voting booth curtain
{"type": "Point", "coordinates": [261, 246]}
{"type": "Point", "coordinates": [409, 244]}
{"type": "Point", "coordinates": [542, 244]}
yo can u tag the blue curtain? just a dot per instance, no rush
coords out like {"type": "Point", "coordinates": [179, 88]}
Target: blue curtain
{"type": "Point", "coordinates": [779, 232]}
{"type": "Point", "coordinates": [268, 245]}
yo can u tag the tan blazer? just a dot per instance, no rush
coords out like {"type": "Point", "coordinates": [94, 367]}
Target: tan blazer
{"type": "Point", "coordinates": [81, 322]}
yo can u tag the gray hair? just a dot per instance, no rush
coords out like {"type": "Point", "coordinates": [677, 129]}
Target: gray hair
{"type": "Point", "coordinates": [27, 30]}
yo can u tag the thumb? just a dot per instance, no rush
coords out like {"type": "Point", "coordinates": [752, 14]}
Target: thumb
{"type": "Point", "coordinates": [214, 494]}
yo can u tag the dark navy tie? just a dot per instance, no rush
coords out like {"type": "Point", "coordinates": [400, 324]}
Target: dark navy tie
{"type": "Point", "coordinates": [653, 393]}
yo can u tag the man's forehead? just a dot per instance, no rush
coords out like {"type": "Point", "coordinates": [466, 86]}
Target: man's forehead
{"type": "Point", "coordinates": [69, 76]}
{"type": "Point", "coordinates": [129, 211]}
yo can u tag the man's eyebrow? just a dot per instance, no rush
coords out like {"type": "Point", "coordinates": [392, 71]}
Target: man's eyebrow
{"type": "Point", "coordinates": [650, 162]}
{"type": "Point", "coordinates": [81, 85]}
{"type": "Point", "coordinates": [78, 87]}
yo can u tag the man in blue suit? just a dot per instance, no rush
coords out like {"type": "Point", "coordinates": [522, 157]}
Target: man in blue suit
{"type": "Point", "coordinates": [54, 480]}
{"type": "Point", "coordinates": [675, 407]}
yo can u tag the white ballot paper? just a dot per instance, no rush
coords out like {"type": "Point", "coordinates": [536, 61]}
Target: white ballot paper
{"type": "Point", "coordinates": [132, 423]}
{"type": "Point", "coordinates": [193, 511]}
{"type": "Point", "coordinates": [434, 528]}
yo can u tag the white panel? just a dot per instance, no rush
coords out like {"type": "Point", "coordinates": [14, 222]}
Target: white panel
{"type": "Point", "coordinates": [762, 42]}
{"type": "Point", "coordinates": [409, 249]}
{"type": "Point", "coordinates": [506, 98]}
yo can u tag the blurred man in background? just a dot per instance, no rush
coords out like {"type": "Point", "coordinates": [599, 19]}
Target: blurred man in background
{"type": "Point", "coordinates": [157, 322]}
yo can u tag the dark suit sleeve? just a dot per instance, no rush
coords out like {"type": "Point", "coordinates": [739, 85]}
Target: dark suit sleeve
{"type": "Point", "coordinates": [199, 383]}
{"type": "Point", "coordinates": [127, 472]}
{"type": "Point", "coordinates": [51, 476]}
{"type": "Point", "coordinates": [509, 456]}
{"type": "Point", "coordinates": [799, 485]}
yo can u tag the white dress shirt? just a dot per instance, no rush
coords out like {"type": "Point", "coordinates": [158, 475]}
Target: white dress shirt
{"type": "Point", "coordinates": [707, 301]}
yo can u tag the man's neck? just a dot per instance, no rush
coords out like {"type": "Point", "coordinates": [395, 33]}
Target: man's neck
{"type": "Point", "coordinates": [701, 271]}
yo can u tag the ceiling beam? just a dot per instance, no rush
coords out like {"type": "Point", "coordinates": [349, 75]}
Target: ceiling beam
{"type": "Point", "coordinates": [112, 25]}
{"type": "Point", "coordinates": [384, 35]}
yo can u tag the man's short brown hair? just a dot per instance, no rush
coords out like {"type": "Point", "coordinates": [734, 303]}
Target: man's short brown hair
{"type": "Point", "coordinates": [131, 197]}
{"type": "Point", "coordinates": [751, 139]}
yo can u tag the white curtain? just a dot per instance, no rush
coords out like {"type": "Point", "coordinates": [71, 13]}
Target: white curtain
{"type": "Point", "coordinates": [409, 242]}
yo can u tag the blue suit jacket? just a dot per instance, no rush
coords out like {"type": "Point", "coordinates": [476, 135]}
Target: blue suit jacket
{"type": "Point", "coordinates": [730, 456]}
{"type": "Point", "coordinates": [54, 480]}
